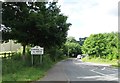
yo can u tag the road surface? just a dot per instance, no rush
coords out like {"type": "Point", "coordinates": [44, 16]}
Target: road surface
{"type": "Point", "coordinates": [76, 71]}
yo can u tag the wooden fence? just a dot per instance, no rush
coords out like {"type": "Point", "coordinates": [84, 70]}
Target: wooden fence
{"type": "Point", "coordinates": [6, 54]}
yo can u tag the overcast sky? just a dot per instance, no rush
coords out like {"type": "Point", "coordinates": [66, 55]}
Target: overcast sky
{"type": "Point", "coordinates": [90, 16]}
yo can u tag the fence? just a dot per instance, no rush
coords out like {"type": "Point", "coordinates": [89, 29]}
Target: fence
{"type": "Point", "coordinates": [9, 46]}
{"type": "Point", "coordinates": [6, 54]}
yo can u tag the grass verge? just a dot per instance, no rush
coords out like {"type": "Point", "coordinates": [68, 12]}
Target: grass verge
{"type": "Point", "coordinates": [15, 70]}
{"type": "Point", "coordinates": [25, 74]}
{"type": "Point", "coordinates": [113, 63]}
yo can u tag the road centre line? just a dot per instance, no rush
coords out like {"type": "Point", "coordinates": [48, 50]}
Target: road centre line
{"type": "Point", "coordinates": [68, 80]}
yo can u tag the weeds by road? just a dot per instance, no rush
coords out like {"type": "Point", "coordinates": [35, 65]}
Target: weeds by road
{"type": "Point", "coordinates": [113, 62]}
{"type": "Point", "coordinates": [16, 70]}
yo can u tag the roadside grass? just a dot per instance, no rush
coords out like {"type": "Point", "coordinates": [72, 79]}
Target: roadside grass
{"type": "Point", "coordinates": [25, 74]}
{"type": "Point", "coordinates": [113, 63]}
{"type": "Point", "coordinates": [16, 70]}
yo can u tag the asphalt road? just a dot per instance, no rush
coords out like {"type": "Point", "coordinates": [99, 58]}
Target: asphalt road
{"type": "Point", "coordinates": [76, 71]}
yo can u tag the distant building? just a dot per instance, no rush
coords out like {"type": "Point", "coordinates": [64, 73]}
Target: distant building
{"type": "Point", "coordinates": [9, 46]}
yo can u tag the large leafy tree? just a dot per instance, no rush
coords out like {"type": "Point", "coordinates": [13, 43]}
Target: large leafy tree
{"type": "Point", "coordinates": [38, 23]}
{"type": "Point", "coordinates": [102, 45]}
{"type": "Point", "coordinates": [71, 39]}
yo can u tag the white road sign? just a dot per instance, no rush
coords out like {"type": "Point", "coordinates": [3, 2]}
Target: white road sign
{"type": "Point", "coordinates": [37, 50]}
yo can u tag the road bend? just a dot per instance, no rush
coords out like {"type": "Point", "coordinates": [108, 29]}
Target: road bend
{"type": "Point", "coordinates": [74, 70]}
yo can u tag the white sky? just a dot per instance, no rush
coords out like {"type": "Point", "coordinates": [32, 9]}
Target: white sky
{"type": "Point", "coordinates": [90, 16]}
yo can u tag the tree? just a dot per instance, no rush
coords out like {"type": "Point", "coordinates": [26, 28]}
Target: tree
{"type": "Point", "coordinates": [81, 40]}
{"type": "Point", "coordinates": [71, 39]}
{"type": "Point", "coordinates": [72, 47]}
{"type": "Point", "coordinates": [102, 45]}
{"type": "Point", "coordinates": [39, 23]}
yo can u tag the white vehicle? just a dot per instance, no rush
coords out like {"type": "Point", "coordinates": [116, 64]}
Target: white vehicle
{"type": "Point", "coordinates": [79, 57]}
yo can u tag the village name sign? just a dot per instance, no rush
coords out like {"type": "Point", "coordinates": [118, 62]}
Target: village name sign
{"type": "Point", "coordinates": [37, 50]}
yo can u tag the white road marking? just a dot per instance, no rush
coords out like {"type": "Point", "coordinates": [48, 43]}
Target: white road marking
{"type": "Point", "coordinates": [103, 68]}
{"type": "Point", "coordinates": [88, 77]}
{"type": "Point", "coordinates": [93, 69]}
{"type": "Point", "coordinates": [111, 77]}
{"type": "Point", "coordinates": [100, 76]}
{"type": "Point", "coordinates": [106, 77]}
{"type": "Point", "coordinates": [111, 70]}
{"type": "Point", "coordinates": [97, 72]}
{"type": "Point", "coordinates": [66, 75]}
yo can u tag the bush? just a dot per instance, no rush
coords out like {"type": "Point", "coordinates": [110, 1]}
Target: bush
{"type": "Point", "coordinates": [55, 54]}
{"type": "Point", "coordinates": [11, 66]}
{"type": "Point", "coordinates": [109, 57]}
{"type": "Point", "coordinates": [102, 44]}
{"type": "Point", "coordinates": [16, 56]}
{"type": "Point", "coordinates": [15, 69]}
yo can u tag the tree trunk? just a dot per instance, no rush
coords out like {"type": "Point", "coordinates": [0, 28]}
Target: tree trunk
{"type": "Point", "coordinates": [23, 54]}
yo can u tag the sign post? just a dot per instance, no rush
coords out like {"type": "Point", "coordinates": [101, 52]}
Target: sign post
{"type": "Point", "coordinates": [37, 50]}
{"type": "Point", "coordinates": [32, 59]}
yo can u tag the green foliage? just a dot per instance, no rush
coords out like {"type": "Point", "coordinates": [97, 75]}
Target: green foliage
{"type": "Point", "coordinates": [24, 75]}
{"type": "Point", "coordinates": [72, 47]}
{"type": "Point", "coordinates": [11, 65]}
{"type": "Point", "coordinates": [39, 23]}
{"type": "Point", "coordinates": [101, 61]}
{"type": "Point", "coordinates": [71, 39]}
{"type": "Point", "coordinates": [15, 69]}
{"type": "Point", "coordinates": [55, 53]}
{"type": "Point", "coordinates": [81, 40]}
{"type": "Point", "coordinates": [102, 45]}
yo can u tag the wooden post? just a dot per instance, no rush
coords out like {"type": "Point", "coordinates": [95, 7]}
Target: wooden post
{"type": "Point", "coordinates": [32, 59]}
{"type": "Point", "coordinates": [40, 59]}
{"type": "Point", "coordinates": [5, 55]}
{"type": "Point", "coordinates": [9, 55]}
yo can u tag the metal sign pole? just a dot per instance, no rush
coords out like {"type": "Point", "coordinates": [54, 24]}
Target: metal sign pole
{"type": "Point", "coordinates": [40, 59]}
{"type": "Point", "coordinates": [32, 59]}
